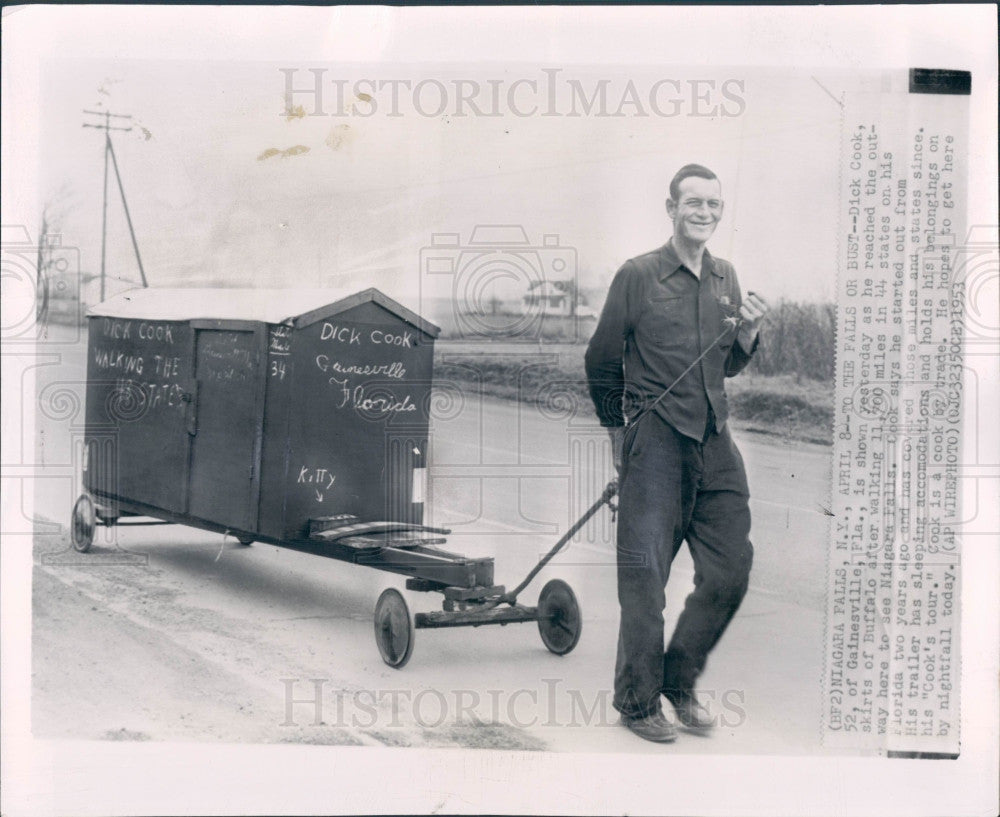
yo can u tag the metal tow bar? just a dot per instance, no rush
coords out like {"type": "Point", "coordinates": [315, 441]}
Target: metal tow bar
{"type": "Point", "coordinates": [557, 613]}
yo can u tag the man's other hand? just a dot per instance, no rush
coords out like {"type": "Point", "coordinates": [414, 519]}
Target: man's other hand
{"type": "Point", "coordinates": [752, 311]}
{"type": "Point", "coordinates": [617, 435]}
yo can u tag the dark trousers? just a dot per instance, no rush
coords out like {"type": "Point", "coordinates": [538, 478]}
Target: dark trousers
{"type": "Point", "coordinates": [672, 489]}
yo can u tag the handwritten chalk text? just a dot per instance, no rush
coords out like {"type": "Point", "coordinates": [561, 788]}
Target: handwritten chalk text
{"type": "Point", "coordinates": [395, 370]}
{"type": "Point", "coordinates": [353, 337]}
{"type": "Point", "coordinates": [381, 404]}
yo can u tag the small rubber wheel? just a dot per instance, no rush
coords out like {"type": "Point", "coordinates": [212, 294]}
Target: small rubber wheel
{"type": "Point", "coordinates": [246, 542]}
{"type": "Point", "coordinates": [83, 523]}
{"type": "Point", "coordinates": [559, 620]}
{"type": "Point", "coordinates": [394, 628]}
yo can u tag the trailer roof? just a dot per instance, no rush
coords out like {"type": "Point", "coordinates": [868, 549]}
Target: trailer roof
{"type": "Point", "coordinates": [294, 307]}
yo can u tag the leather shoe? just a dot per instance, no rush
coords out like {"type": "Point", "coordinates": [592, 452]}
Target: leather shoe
{"type": "Point", "coordinates": [690, 712]}
{"type": "Point", "coordinates": [653, 727]}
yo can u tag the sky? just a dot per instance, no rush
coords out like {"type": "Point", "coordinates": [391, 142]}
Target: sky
{"type": "Point", "coordinates": [226, 190]}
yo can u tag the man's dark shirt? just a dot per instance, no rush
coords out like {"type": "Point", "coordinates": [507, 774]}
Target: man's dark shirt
{"type": "Point", "coordinates": [656, 321]}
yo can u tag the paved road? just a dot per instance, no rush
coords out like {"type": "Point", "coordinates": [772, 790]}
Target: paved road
{"type": "Point", "coordinates": [179, 634]}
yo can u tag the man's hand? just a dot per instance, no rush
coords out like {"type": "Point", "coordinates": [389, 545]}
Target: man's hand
{"type": "Point", "coordinates": [752, 311]}
{"type": "Point", "coordinates": [617, 435]}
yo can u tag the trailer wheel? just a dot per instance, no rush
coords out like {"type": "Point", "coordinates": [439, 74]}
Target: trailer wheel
{"type": "Point", "coordinates": [83, 523]}
{"type": "Point", "coordinates": [394, 628]}
{"type": "Point", "coordinates": [559, 621]}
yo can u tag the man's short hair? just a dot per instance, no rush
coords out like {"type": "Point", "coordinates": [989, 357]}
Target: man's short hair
{"type": "Point", "coordinates": [685, 172]}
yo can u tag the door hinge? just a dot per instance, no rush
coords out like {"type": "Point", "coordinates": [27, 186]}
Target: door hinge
{"type": "Point", "coordinates": [191, 411]}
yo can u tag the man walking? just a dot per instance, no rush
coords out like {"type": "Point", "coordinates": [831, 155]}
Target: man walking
{"type": "Point", "coordinates": [674, 326]}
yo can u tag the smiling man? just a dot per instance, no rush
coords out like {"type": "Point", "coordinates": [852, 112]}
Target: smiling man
{"type": "Point", "coordinates": [674, 326]}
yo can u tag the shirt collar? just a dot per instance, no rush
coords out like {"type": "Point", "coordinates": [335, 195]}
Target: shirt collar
{"type": "Point", "coordinates": [671, 262]}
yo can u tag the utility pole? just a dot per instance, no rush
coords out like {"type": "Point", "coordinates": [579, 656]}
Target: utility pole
{"type": "Point", "coordinates": [109, 150]}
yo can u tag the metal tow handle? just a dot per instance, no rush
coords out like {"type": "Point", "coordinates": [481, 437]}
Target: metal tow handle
{"type": "Point", "coordinates": [609, 493]}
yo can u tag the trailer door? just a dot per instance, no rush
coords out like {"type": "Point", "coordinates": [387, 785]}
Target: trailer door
{"type": "Point", "coordinates": [139, 379]}
{"type": "Point", "coordinates": [226, 425]}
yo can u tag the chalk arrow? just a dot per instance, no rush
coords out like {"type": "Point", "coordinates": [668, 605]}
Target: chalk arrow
{"type": "Point", "coordinates": [319, 496]}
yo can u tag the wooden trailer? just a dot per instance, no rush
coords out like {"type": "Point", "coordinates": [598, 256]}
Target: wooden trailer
{"type": "Point", "coordinates": [298, 418]}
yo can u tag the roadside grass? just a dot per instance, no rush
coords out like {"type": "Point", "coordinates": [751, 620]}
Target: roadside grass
{"type": "Point", "coordinates": [552, 377]}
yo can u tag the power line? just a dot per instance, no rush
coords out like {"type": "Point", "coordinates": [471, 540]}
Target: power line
{"type": "Point", "coordinates": [109, 150]}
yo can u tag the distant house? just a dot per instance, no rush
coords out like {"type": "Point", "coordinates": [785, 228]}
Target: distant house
{"type": "Point", "coordinates": [551, 298]}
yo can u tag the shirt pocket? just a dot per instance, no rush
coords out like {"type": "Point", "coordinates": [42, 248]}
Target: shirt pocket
{"type": "Point", "coordinates": [663, 320]}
